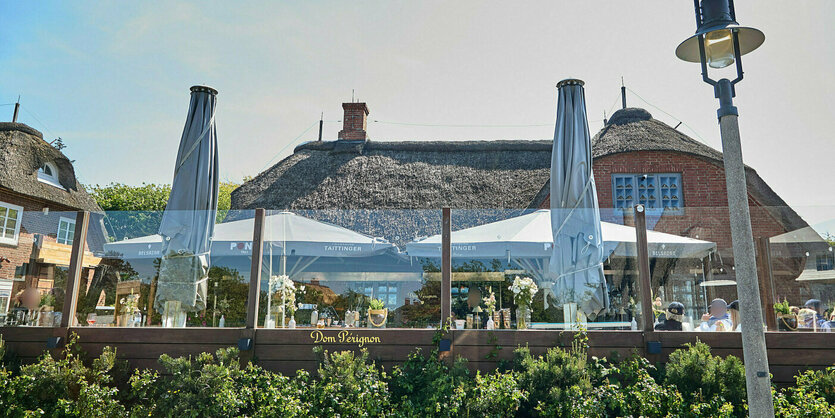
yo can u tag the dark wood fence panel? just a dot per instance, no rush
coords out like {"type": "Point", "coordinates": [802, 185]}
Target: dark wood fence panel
{"type": "Point", "coordinates": [286, 351]}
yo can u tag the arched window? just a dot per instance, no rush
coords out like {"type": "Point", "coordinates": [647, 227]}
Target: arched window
{"type": "Point", "coordinates": [48, 174]}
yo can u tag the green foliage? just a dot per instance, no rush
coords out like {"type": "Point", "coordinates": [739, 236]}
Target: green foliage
{"type": "Point", "coordinates": [349, 386]}
{"type": "Point", "coordinates": [425, 385]}
{"type": "Point", "coordinates": [376, 304]}
{"type": "Point", "coordinates": [62, 386]}
{"type": "Point", "coordinates": [560, 383]}
{"type": "Point", "coordinates": [552, 380]}
{"type": "Point", "coordinates": [135, 211]}
{"type": "Point", "coordinates": [783, 307]}
{"type": "Point", "coordinates": [703, 378]}
{"type": "Point", "coordinates": [494, 395]}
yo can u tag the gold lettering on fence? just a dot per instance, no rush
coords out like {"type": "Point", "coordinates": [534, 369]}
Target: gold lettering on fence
{"type": "Point", "coordinates": [343, 337]}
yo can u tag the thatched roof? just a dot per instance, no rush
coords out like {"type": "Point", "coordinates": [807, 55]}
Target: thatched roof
{"type": "Point", "coordinates": [22, 152]}
{"type": "Point", "coordinates": [371, 176]}
{"type": "Point", "coordinates": [633, 129]}
{"type": "Point", "coordinates": [509, 176]}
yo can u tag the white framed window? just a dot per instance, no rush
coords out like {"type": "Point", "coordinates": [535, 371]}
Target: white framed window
{"type": "Point", "coordinates": [10, 216]}
{"type": "Point", "coordinates": [66, 230]}
{"type": "Point", "coordinates": [48, 173]}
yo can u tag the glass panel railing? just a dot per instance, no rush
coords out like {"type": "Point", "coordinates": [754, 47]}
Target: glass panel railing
{"type": "Point", "coordinates": [801, 270]}
{"type": "Point", "coordinates": [35, 248]}
{"type": "Point", "coordinates": [143, 278]}
{"type": "Point", "coordinates": [348, 268]}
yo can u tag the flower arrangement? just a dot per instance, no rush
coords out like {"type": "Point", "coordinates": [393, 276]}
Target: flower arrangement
{"type": "Point", "coordinates": [286, 289]}
{"type": "Point", "coordinates": [523, 289]}
{"type": "Point", "coordinates": [129, 303]}
{"type": "Point", "coordinates": [490, 302]}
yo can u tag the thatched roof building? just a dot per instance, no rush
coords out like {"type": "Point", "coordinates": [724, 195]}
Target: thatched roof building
{"type": "Point", "coordinates": [23, 152]}
{"type": "Point", "coordinates": [368, 177]}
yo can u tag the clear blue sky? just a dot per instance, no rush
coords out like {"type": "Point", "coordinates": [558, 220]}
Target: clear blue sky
{"type": "Point", "coordinates": [112, 78]}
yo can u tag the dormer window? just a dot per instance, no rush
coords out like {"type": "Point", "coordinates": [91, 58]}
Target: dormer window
{"type": "Point", "coordinates": [48, 174]}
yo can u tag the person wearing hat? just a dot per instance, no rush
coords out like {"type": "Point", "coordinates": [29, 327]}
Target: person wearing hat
{"type": "Point", "coordinates": [674, 316]}
{"type": "Point", "coordinates": [814, 318]}
{"type": "Point", "coordinates": [717, 319]}
{"type": "Point", "coordinates": [733, 312]}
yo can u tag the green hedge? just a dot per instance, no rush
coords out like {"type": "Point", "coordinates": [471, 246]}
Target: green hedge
{"type": "Point", "coordinates": [560, 383]}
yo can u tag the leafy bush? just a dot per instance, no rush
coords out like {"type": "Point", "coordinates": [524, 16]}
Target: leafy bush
{"type": "Point", "coordinates": [424, 386]}
{"type": "Point", "coordinates": [552, 381]}
{"type": "Point", "coordinates": [349, 386]}
{"type": "Point", "coordinates": [558, 383]}
{"type": "Point", "coordinates": [707, 381]}
{"type": "Point", "coordinates": [494, 395]}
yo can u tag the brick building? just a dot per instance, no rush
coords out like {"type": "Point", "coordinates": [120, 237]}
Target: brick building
{"type": "Point", "coordinates": [636, 159]}
{"type": "Point", "coordinates": [39, 197]}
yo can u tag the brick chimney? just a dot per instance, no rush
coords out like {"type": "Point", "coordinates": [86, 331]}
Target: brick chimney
{"type": "Point", "coordinates": [353, 122]}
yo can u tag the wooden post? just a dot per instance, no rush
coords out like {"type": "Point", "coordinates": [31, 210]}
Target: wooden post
{"type": "Point", "coordinates": [255, 271]}
{"type": "Point", "coordinates": [644, 277]}
{"type": "Point", "coordinates": [446, 267]}
{"type": "Point", "coordinates": [764, 274]}
{"type": "Point", "coordinates": [82, 220]}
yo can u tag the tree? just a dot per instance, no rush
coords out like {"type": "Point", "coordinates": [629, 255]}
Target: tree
{"type": "Point", "coordinates": [135, 211]}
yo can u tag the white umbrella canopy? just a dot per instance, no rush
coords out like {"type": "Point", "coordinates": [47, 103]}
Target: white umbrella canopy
{"type": "Point", "coordinates": [298, 235]}
{"type": "Point", "coordinates": [529, 236]}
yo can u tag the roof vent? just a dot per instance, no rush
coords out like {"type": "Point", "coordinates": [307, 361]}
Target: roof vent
{"type": "Point", "coordinates": [629, 115]}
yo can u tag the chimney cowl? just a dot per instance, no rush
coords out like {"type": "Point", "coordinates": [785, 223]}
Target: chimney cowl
{"type": "Point", "coordinates": [354, 122]}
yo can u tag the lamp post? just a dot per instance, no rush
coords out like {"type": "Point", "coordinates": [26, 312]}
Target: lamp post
{"type": "Point", "coordinates": [718, 43]}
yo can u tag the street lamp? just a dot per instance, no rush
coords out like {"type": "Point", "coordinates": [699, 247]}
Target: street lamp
{"type": "Point", "coordinates": [718, 43]}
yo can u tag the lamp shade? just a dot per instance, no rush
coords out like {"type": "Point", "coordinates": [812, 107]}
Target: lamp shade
{"type": "Point", "coordinates": [716, 21]}
{"type": "Point", "coordinates": [719, 50]}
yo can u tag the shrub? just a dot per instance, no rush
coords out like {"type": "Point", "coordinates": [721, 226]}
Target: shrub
{"type": "Point", "coordinates": [62, 386]}
{"type": "Point", "coordinates": [349, 386]}
{"type": "Point", "coordinates": [552, 382]}
{"type": "Point", "coordinates": [494, 395]}
{"type": "Point", "coordinates": [195, 388]}
{"type": "Point", "coordinates": [707, 382]}
{"type": "Point", "coordinates": [424, 386]}
{"type": "Point", "coordinates": [821, 382]}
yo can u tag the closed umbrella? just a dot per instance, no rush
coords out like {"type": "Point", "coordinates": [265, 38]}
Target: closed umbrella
{"type": "Point", "coordinates": [576, 265]}
{"type": "Point", "coordinates": [189, 218]}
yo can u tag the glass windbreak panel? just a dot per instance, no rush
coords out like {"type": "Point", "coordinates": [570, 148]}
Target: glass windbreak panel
{"type": "Point", "coordinates": [511, 272]}
{"type": "Point", "coordinates": [34, 262]}
{"type": "Point", "coordinates": [800, 274]}
{"type": "Point", "coordinates": [349, 268]}
{"type": "Point", "coordinates": [154, 271]}
{"type": "Point", "coordinates": [691, 265]}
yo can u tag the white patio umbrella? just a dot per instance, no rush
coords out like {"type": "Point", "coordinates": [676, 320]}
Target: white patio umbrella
{"type": "Point", "coordinates": [527, 241]}
{"type": "Point", "coordinates": [294, 234]}
{"type": "Point", "coordinates": [189, 218]}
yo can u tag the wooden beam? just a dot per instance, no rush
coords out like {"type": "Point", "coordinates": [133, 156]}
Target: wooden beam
{"type": "Point", "coordinates": [446, 266]}
{"type": "Point", "coordinates": [82, 221]}
{"type": "Point", "coordinates": [255, 271]}
{"type": "Point", "coordinates": [765, 276]}
{"type": "Point", "coordinates": [644, 277]}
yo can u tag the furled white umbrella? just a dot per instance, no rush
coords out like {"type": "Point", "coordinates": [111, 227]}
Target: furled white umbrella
{"type": "Point", "coordinates": [189, 218]}
{"type": "Point", "coordinates": [576, 266]}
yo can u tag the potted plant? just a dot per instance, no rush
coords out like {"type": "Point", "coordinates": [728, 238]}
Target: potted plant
{"type": "Point", "coordinates": [787, 320]}
{"type": "Point", "coordinates": [377, 313]}
{"type": "Point", "coordinates": [523, 289]}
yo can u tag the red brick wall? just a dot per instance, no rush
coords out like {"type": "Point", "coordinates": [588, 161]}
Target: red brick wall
{"type": "Point", "coordinates": [705, 214]}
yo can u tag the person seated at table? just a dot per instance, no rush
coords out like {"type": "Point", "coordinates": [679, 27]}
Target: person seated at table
{"type": "Point", "coordinates": [673, 317]}
{"type": "Point", "coordinates": [816, 319]}
{"type": "Point", "coordinates": [717, 319]}
{"type": "Point", "coordinates": [733, 312]}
